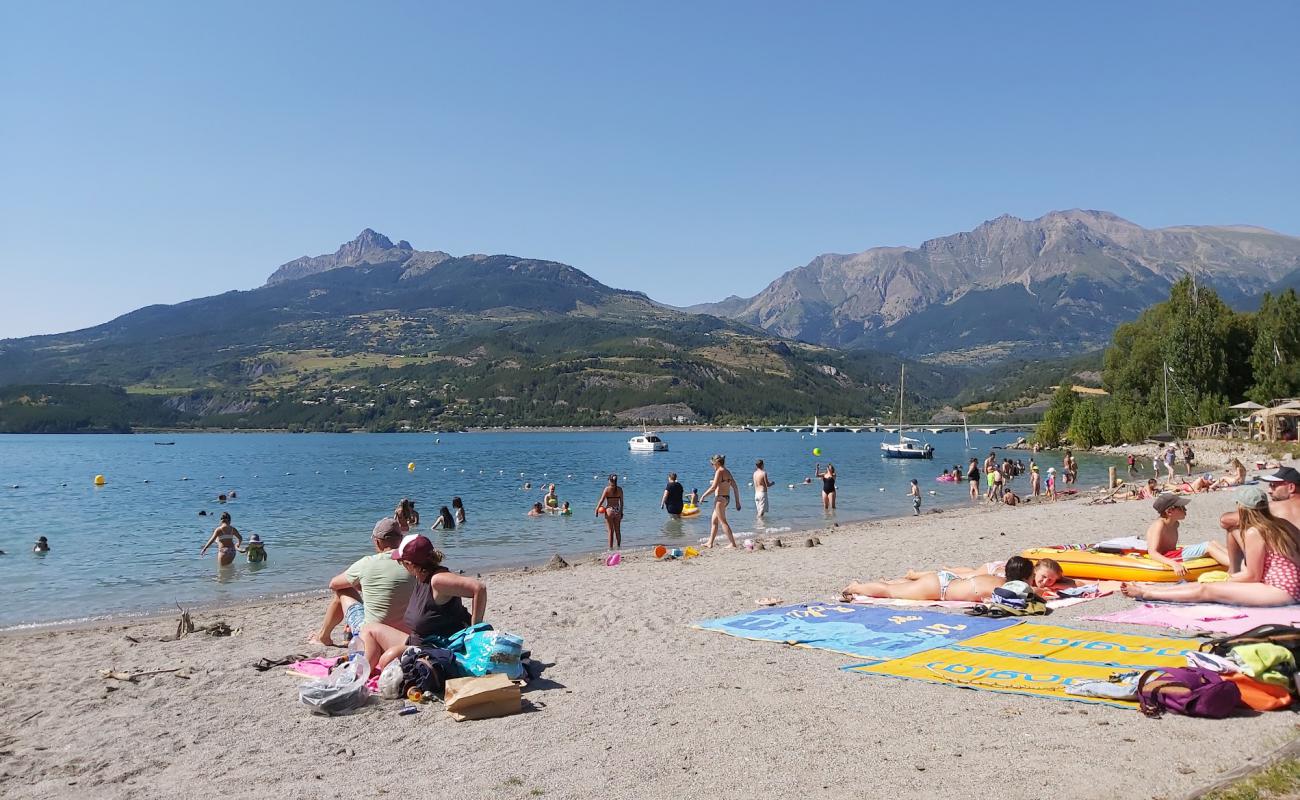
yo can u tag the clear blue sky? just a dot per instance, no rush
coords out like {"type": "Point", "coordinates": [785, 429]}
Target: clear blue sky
{"type": "Point", "coordinates": [154, 152]}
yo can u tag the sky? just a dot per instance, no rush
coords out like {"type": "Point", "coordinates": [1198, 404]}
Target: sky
{"type": "Point", "coordinates": [156, 152]}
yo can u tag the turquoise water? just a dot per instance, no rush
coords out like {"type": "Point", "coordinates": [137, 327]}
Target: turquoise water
{"type": "Point", "coordinates": [132, 545]}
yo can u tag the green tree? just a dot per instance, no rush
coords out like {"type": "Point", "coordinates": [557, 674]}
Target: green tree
{"type": "Point", "coordinates": [1112, 421]}
{"type": "Point", "coordinates": [1085, 424]}
{"type": "Point", "coordinates": [1275, 357]}
{"type": "Point", "coordinates": [1057, 417]}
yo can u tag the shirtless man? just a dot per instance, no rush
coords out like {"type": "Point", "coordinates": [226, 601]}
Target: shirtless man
{"type": "Point", "coordinates": [761, 484]}
{"type": "Point", "coordinates": [1284, 502]}
{"type": "Point", "coordinates": [1162, 537]}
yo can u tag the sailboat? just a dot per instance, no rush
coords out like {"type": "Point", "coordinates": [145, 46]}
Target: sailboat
{"type": "Point", "coordinates": [966, 430]}
{"type": "Point", "coordinates": [907, 447]}
{"type": "Point", "coordinates": [814, 430]}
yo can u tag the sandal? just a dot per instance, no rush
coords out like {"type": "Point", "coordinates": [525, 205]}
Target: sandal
{"type": "Point", "coordinates": [263, 664]}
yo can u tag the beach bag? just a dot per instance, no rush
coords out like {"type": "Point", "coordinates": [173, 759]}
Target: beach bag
{"type": "Point", "coordinates": [482, 697]}
{"type": "Point", "coordinates": [1287, 636]}
{"type": "Point", "coordinates": [343, 691]}
{"type": "Point", "coordinates": [1187, 691]}
{"type": "Point", "coordinates": [426, 669]}
{"type": "Point", "coordinates": [489, 652]}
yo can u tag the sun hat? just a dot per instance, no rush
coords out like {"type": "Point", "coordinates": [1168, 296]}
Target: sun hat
{"type": "Point", "coordinates": [1283, 475]}
{"type": "Point", "coordinates": [386, 528]}
{"type": "Point", "coordinates": [1250, 497]}
{"type": "Point", "coordinates": [1167, 501]}
{"type": "Point", "coordinates": [418, 550]}
{"type": "Point", "coordinates": [255, 539]}
{"type": "Point", "coordinates": [1033, 467]}
{"type": "Point", "coordinates": [1051, 469]}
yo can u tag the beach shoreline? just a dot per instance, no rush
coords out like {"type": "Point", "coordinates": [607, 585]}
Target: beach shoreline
{"type": "Point", "coordinates": [634, 703]}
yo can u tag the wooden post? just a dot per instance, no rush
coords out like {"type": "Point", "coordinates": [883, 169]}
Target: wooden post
{"type": "Point", "coordinates": [1112, 477]}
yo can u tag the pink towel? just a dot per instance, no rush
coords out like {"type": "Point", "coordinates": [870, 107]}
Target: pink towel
{"type": "Point", "coordinates": [1213, 617]}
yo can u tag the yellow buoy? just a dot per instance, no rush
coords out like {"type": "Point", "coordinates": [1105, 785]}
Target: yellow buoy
{"type": "Point", "coordinates": [99, 480]}
{"type": "Point", "coordinates": [817, 451]}
{"type": "Point", "coordinates": [411, 466]}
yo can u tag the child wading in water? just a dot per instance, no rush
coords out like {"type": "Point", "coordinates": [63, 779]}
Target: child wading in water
{"type": "Point", "coordinates": [255, 549]}
{"type": "Point", "coordinates": [914, 491]}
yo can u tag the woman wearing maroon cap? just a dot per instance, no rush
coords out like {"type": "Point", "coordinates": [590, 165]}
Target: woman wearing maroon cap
{"type": "Point", "coordinates": [435, 611]}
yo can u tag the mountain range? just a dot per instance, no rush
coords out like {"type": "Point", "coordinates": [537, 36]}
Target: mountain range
{"type": "Point", "coordinates": [1011, 287]}
{"type": "Point", "coordinates": [382, 336]}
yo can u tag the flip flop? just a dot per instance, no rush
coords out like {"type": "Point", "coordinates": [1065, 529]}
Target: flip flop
{"type": "Point", "coordinates": [263, 664]}
{"type": "Point", "coordinates": [769, 601]}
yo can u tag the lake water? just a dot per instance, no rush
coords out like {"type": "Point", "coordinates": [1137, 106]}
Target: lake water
{"type": "Point", "coordinates": [132, 545]}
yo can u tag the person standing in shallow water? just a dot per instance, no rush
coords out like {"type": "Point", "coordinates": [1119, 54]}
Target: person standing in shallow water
{"type": "Point", "coordinates": [228, 541]}
{"type": "Point", "coordinates": [914, 492]}
{"type": "Point", "coordinates": [611, 505]}
{"type": "Point", "coordinates": [673, 496]}
{"type": "Point", "coordinates": [761, 484]}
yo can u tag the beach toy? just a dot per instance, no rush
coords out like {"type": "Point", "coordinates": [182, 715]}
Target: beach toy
{"type": "Point", "coordinates": [690, 552]}
{"type": "Point", "coordinates": [411, 467]}
{"type": "Point", "coordinates": [817, 451]}
{"type": "Point", "coordinates": [676, 552]}
{"type": "Point", "coordinates": [600, 511]}
{"type": "Point", "coordinates": [614, 560]}
{"type": "Point", "coordinates": [1213, 576]}
{"type": "Point", "coordinates": [749, 544]}
{"type": "Point", "coordinates": [660, 551]}
{"type": "Point", "coordinates": [1129, 566]}
{"type": "Point", "coordinates": [99, 480]}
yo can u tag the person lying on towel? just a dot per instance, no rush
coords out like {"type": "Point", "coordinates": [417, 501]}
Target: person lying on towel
{"type": "Point", "coordinates": [943, 584]}
{"type": "Point", "coordinates": [1048, 577]}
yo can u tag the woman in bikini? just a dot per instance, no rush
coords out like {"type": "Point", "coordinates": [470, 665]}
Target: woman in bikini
{"type": "Point", "coordinates": [939, 585]}
{"type": "Point", "coordinates": [611, 505]}
{"type": "Point", "coordinates": [828, 486]}
{"type": "Point", "coordinates": [228, 541]}
{"type": "Point", "coordinates": [406, 516]}
{"type": "Point", "coordinates": [723, 489]}
{"type": "Point", "coordinates": [1270, 576]}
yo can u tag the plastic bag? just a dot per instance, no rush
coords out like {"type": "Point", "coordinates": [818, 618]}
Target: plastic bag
{"type": "Point", "coordinates": [390, 680]}
{"type": "Point", "coordinates": [343, 691]}
{"type": "Point", "coordinates": [488, 652]}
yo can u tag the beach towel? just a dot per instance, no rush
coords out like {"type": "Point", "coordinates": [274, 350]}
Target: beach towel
{"type": "Point", "coordinates": [320, 668]}
{"type": "Point", "coordinates": [1060, 645]}
{"type": "Point", "coordinates": [962, 604]}
{"type": "Point", "coordinates": [997, 672]}
{"type": "Point", "coordinates": [861, 631]}
{"type": "Point", "coordinates": [1211, 617]}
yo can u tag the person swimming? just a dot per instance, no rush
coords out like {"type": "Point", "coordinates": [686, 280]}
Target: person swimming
{"type": "Point", "coordinates": [536, 510]}
{"type": "Point", "coordinates": [566, 511]}
{"type": "Point", "coordinates": [42, 545]}
{"type": "Point", "coordinates": [458, 509]}
{"type": "Point", "coordinates": [445, 520]}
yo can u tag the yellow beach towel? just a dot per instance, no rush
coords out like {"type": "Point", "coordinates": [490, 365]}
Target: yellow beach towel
{"type": "Point", "coordinates": [996, 672]}
{"type": "Point", "coordinates": [1059, 645]}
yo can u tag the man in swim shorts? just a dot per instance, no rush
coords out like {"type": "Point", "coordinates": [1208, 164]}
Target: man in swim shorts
{"type": "Point", "coordinates": [1162, 537]}
{"type": "Point", "coordinates": [374, 589]}
{"type": "Point", "coordinates": [761, 485]}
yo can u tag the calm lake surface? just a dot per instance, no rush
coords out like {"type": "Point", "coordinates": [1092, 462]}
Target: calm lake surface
{"type": "Point", "coordinates": [132, 545]}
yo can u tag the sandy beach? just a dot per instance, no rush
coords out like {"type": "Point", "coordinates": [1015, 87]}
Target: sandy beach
{"type": "Point", "coordinates": [634, 704]}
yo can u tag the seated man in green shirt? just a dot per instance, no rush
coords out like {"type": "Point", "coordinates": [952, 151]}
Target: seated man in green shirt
{"type": "Point", "coordinates": [374, 589]}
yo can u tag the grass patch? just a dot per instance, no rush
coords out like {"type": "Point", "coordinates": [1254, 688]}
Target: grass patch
{"type": "Point", "coordinates": [1277, 781]}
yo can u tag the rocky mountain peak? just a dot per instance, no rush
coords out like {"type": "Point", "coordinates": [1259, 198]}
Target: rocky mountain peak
{"type": "Point", "coordinates": [369, 247]}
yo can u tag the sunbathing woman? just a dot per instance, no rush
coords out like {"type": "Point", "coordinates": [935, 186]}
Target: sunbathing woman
{"type": "Point", "coordinates": [942, 585]}
{"type": "Point", "coordinates": [1236, 475]}
{"type": "Point", "coordinates": [1270, 576]}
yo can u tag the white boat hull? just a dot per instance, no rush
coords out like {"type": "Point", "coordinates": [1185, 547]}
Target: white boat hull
{"type": "Point", "coordinates": [897, 451]}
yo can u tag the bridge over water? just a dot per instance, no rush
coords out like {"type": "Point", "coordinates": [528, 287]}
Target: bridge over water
{"type": "Point", "coordinates": [932, 427]}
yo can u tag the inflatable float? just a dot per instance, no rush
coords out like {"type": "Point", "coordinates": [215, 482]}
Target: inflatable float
{"type": "Point", "coordinates": [1077, 562]}
{"type": "Point", "coordinates": [689, 510]}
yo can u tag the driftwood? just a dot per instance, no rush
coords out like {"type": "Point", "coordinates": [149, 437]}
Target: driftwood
{"type": "Point", "coordinates": [185, 626]}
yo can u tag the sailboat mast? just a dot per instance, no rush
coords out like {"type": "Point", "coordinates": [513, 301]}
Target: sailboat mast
{"type": "Point", "coordinates": [902, 381]}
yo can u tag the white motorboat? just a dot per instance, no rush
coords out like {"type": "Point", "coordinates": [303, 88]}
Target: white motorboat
{"type": "Point", "coordinates": [647, 442]}
{"type": "Point", "coordinates": [907, 447]}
